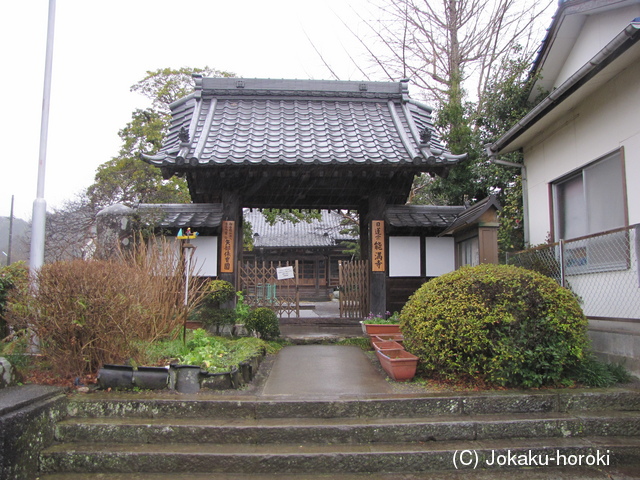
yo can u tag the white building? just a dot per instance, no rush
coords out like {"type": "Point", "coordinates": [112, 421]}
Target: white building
{"type": "Point", "coordinates": [581, 148]}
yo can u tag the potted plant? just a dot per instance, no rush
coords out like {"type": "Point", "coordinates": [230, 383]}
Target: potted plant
{"type": "Point", "coordinates": [387, 325]}
{"type": "Point", "coordinates": [399, 364]}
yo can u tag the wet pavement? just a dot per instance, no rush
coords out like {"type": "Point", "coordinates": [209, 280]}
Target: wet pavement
{"type": "Point", "coordinates": [324, 370]}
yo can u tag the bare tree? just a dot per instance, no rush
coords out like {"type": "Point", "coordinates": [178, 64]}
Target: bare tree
{"type": "Point", "coordinates": [70, 230]}
{"type": "Point", "coordinates": [450, 46]}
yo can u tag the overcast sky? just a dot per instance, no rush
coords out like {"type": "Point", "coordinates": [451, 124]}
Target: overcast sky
{"type": "Point", "coordinates": [102, 48]}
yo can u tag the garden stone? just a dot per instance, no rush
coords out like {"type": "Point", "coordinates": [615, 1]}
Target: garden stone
{"type": "Point", "coordinates": [7, 374]}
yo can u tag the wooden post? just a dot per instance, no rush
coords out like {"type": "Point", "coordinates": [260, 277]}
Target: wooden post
{"type": "Point", "coordinates": [377, 249]}
{"type": "Point", "coordinates": [231, 231]}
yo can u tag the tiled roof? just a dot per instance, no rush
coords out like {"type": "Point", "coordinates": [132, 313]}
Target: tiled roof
{"type": "Point", "coordinates": [422, 215]}
{"type": "Point", "coordinates": [194, 215]}
{"type": "Point", "coordinates": [317, 233]}
{"type": "Point", "coordinates": [230, 121]}
{"type": "Point", "coordinates": [470, 215]}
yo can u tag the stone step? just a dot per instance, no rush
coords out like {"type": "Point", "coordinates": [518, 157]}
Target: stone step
{"type": "Point", "coordinates": [347, 430]}
{"type": "Point", "coordinates": [202, 405]}
{"type": "Point", "coordinates": [623, 472]}
{"type": "Point", "coordinates": [345, 458]}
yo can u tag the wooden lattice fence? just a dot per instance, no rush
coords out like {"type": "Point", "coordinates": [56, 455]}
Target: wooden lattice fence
{"type": "Point", "coordinates": [261, 287]}
{"type": "Point", "coordinates": [354, 289]}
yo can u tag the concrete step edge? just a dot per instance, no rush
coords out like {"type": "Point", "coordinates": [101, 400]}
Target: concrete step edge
{"type": "Point", "coordinates": [154, 405]}
{"type": "Point", "coordinates": [405, 457]}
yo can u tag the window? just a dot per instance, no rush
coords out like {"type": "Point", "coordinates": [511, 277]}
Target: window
{"type": "Point", "coordinates": [469, 252]}
{"type": "Point", "coordinates": [591, 200]}
{"type": "Point", "coordinates": [587, 202]}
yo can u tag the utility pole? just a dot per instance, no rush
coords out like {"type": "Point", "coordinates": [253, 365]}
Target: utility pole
{"type": "Point", "coordinates": [38, 220]}
{"type": "Point", "coordinates": [10, 233]}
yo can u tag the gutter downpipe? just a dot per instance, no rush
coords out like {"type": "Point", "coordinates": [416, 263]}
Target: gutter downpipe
{"type": "Point", "coordinates": [493, 158]}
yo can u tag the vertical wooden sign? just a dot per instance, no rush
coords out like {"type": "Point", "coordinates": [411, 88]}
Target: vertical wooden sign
{"type": "Point", "coordinates": [377, 246]}
{"type": "Point", "coordinates": [228, 242]}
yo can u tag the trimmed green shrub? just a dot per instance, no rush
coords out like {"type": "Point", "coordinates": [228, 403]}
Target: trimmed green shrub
{"type": "Point", "coordinates": [210, 313]}
{"type": "Point", "coordinates": [264, 322]}
{"type": "Point", "coordinates": [498, 323]}
{"type": "Point", "coordinates": [220, 291]}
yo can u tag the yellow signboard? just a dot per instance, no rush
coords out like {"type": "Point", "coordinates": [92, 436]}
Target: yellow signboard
{"type": "Point", "coordinates": [228, 237]}
{"type": "Point", "coordinates": [377, 246]}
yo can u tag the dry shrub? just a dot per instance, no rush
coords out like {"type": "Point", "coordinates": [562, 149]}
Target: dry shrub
{"type": "Point", "coordinates": [88, 313]}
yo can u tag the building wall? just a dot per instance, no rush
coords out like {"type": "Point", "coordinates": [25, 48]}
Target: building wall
{"type": "Point", "coordinates": [597, 31]}
{"type": "Point", "coordinates": [610, 119]}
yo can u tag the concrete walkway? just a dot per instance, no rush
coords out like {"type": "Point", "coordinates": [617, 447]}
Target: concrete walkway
{"type": "Point", "coordinates": [324, 370]}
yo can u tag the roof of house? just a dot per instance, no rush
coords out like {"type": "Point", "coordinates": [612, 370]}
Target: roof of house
{"type": "Point", "coordinates": [173, 215]}
{"type": "Point", "coordinates": [422, 215]}
{"type": "Point", "coordinates": [567, 29]}
{"type": "Point", "coordinates": [325, 232]}
{"type": "Point", "coordinates": [471, 215]}
{"type": "Point", "coordinates": [233, 121]}
{"type": "Point", "coordinates": [619, 53]}
{"type": "Point", "coordinates": [317, 233]}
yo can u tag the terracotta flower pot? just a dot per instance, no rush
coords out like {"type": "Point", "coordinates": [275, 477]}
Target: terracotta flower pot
{"type": "Point", "coordinates": [386, 329]}
{"type": "Point", "coordinates": [398, 363]}
{"type": "Point", "coordinates": [385, 344]}
{"type": "Point", "coordinates": [398, 337]}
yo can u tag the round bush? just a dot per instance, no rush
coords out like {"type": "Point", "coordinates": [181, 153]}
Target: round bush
{"type": "Point", "coordinates": [498, 323]}
{"type": "Point", "coordinates": [221, 291]}
{"type": "Point", "coordinates": [264, 322]}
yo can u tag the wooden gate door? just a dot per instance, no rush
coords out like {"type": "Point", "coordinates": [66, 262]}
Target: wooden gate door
{"type": "Point", "coordinates": [354, 289]}
{"type": "Point", "coordinates": [261, 287]}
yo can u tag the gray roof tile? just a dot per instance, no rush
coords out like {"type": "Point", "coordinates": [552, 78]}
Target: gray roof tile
{"type": "Point", "coordinates": [194, 215]}
{"type": "Point", "coordinates": [422, 215]}
{"type": "Point", "coordinates": [299, 122]}
{"type": "Point", "coordinates": [317, 233]}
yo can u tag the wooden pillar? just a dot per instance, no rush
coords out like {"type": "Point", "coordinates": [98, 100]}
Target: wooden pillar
{"type": "Point", "coordinates": [377, 249]}
{"type": "Point", "coordinates": [231, 212]}
{"type": "Point", "coordinates": [363, 218]}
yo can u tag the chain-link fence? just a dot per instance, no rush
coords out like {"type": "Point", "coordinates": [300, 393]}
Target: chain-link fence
{"type": "Point", "coordinates": [601, 269]}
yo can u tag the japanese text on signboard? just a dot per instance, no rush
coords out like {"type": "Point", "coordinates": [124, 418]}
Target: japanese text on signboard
{"type": "Point", "coordinates": [377, 246]}
{"type": "Point", "coordinates": [228, 231]}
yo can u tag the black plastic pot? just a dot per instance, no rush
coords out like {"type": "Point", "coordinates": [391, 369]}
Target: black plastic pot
{"type": "Point", "coordinates": [187, 378]}
{"type": "Point", "coordinates": [115, 376]}
{"type": "Point", "coordinates": [152, 378]}
{"type": "Point", "coordinates": [217, 381]}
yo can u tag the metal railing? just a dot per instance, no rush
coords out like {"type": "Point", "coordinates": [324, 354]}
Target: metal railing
{"type": "Point", "coordinates": [601, 269]}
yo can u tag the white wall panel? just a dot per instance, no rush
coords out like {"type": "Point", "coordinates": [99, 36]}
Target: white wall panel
{"type": "Point", "coordinates": [404, 256]}
{"type": "Point", "coordinates": [440, 255]}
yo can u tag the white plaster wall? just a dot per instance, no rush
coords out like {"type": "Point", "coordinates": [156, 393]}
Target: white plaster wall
{"type": "Point", "coordinates": [404, 256]}
{"type": "Point", "coordinates": [608, 120]}
{"type": "Point", "coordinates": [206, 256]}
{"type": "Point", "coordinates": [598, 30]}
{"type": "Point", "coordinates": [440, 255]}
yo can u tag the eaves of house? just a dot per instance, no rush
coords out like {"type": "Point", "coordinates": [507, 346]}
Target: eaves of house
{"type": "Point", "coordinates": [620, 53]}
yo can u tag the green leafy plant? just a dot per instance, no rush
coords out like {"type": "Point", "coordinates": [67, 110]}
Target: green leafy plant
{"type": "Point", "coordinates": [210, 312]}
{"type": "Point", "coordinates": [12, 277]}
{"type": "Point", "coordinates": [388, 319]}
{"type": "Point", "coordinates": [496, 323]}
{"type": "Point", "coordinates": [264, 322]}
{"type": "Point", "coordinates": [594, 373]}
{"type": "Point", "coordinates": [242, 309]}
{"type": "Point", "coordinates": [217, 354]}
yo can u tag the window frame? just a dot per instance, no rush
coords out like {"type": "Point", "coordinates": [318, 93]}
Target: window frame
{"type": "Point", "coordinates": [580, 250]}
